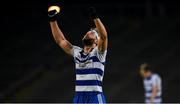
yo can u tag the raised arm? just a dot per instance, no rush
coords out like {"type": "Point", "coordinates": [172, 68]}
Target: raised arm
{"type": "Point", "coordinates": [154, 94]}
{"type": "Point", "coordinates": [103, 41]}
{"type": "Point", "coordinates": [57, 33]}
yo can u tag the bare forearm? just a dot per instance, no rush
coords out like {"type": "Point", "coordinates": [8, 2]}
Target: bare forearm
{"type": "Point", "coordinates": [103, 41]}
{"type": "Point", "coordinates": [57, 34]}
{"type": "Point", "coordinates": [154, 94]}
{"type": "Point", "coordinates": [59, 38]}
{"type": "Point", "coordinates": [101, 28]}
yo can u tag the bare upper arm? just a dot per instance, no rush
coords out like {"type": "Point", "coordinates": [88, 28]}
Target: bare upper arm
{"type": "Point", "coordinates": [103, 40]}
{"type": "Point", "coordinates": [66, 46]}
{"type": "Point", "coordinates": [103, 43]}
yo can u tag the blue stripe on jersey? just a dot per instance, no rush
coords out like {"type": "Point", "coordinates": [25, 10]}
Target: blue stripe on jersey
{"type": "Point", "coordinates": [157, 97]}
{"type": "Point", "coordinates": [89, 71]}
{"type": "Point", "coordinates": [83, 55]}
{"type": "Point", "coordinates": [93, 58]}
{"type": "Point", "coordinates": [150, 91]}
{"type": "Point", "coordinates": [88, 92]}
{"type": "Point", "coordinates": [88, 82]}
{"type": "Point", "coordinates": [148, 78]}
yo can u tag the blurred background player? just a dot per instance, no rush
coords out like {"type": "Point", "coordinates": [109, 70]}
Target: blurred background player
{"type": "Point", "coordinates": [89, 61]}
{"type": "Point", "coordinates": [152, 84]}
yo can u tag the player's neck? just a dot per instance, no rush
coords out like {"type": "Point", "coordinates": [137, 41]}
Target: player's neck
{"type": "Point", "coordinates": [87, 49]}
{"type": "Point", "coordinates": [149, 74]}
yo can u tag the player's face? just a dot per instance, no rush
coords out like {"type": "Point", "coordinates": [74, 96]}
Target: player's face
{"type": "Point", "coordinates": [142, 73]}
{"type": "Point", "coordinates": [89, 39]}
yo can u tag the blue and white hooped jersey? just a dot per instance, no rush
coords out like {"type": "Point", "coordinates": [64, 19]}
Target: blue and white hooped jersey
{"type": "Point", "coordinates": [153, 80]}
{"type": "Point", "coordinates": [89, 69]}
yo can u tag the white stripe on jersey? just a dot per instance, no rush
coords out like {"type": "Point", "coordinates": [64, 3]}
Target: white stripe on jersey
{"type": "Point", "coordinates": [156, 101]}
{"type": "Point", "coordinates": [89, 88]}
{"type": "Point", "coordinates": [150, 94]}
{"type": "Point", "coordinates": [91, 65]}
{"type": "Point", "coordinates": [89, 77]}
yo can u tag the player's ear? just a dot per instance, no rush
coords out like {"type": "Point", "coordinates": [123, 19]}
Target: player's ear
{"type": "Point", "coordinates": [96, 42]}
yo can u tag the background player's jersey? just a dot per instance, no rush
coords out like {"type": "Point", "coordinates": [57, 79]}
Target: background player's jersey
{"type": "Point", "coordinates": [153, 80]}
{"type": "Point", "coordinates": [89, 69]}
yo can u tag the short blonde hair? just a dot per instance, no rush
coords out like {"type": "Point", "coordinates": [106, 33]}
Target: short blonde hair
{"type": "Point", "coordinates": [95, 32]}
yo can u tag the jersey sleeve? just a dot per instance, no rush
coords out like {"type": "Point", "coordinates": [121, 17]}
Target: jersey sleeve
{"type": "Point", "coordinates": [101, 55]}
{"type": "Point", "coordinates": [154, 80]}
{"type": "Point", "coordinates": [75, 50]}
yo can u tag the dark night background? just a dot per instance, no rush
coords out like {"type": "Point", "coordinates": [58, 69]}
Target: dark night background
{"type": "Point", "coordinates": [34, 69]}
